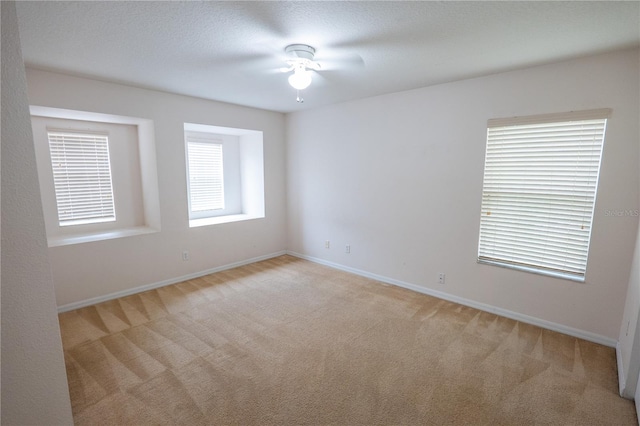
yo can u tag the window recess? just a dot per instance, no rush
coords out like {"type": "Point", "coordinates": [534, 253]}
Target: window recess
{"type": "Point", "coordinates": [224, 174]}
{"type": "Point", "coordinates": [97, 174]}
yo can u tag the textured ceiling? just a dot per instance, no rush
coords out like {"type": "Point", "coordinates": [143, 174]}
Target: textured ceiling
{"type": "Point", "coordinates": [231, 51]}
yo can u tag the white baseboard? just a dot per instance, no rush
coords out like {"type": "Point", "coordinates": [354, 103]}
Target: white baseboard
{"type": "Point", "coordinates": [151, 286]}
{"type": "Point", "coordinates": [581, 334]}
{"type": "Point", "coordinates": [621, 376]}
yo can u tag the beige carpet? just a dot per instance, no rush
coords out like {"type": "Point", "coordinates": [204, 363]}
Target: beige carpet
{"type": "Point", "coordinates": [290, 342]}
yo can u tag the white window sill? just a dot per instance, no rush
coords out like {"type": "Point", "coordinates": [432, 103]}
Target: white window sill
{"type": "Point", "coordinates": [206, 221]}
{"type": "Point", "coordinates": [65, 240]}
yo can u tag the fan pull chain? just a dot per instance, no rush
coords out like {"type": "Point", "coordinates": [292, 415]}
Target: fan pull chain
{"type": "Point", "coordinates": [298, 98]}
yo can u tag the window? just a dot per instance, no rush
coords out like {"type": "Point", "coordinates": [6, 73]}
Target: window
{"type": "Point", "coordinates": [206, 174]}
{"type": "Point", "coordinates": [225, 174]}
{"type": "Point", "coordinates": [97, 175]}
{"type": "Point", "coordinates": [539, 191]}
{"type": "Point", "coordinates": [81, 177]}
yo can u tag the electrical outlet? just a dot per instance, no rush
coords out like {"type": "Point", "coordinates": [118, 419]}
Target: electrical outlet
{"type": "Point", "coordinates": [347, 248]}
{"type": "Point", "coordinates": [185, 255]}
{"type": "Point", "coordinates": [441, 278]}
{"type": "Point", "coordinates": [327, 244]}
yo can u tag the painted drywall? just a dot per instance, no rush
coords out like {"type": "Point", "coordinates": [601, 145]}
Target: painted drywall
{"type": "Point", "coordinates": [399, 178]}
{"type": "Point", "coordinates": [628, 349]}
{"type": "Point", "coordinates": [34, 381]}
{"type": "Point", "coordinates": [94, 269]}
{"type": "Point", "coordinates": [637, 398]}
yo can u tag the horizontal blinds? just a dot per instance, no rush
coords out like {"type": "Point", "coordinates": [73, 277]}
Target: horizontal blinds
{"type": "Point", "coordinates": [206, 181]}
{"type": "Point", "coordinates": [82, 177]}
{"type": "Point", "coordinates": [539, 194]}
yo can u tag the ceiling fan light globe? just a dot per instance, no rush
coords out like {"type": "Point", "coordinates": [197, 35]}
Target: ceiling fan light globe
{"type": "Point", "coordinates": [300, 79]}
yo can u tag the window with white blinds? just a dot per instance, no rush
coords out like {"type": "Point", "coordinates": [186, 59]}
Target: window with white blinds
{"type": "Point", "coordinates": [205, 173]}
{"type": "Point", "coordinates": [539, 191]}
{"type": "Point", "coordinates": [81, 177]}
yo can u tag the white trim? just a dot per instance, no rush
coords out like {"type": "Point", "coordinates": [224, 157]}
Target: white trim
{"type": "Point", "coordinates": [581, 334]}
{"type": "Point", "coordinates": [65, 240]}
{"type": "Point", "coordinates": [217, 220]}
{"type": "Point", "coordinates": [622, 381]}
{"type": "Point", "coordinates": [71, 114]}
{"type": "Point", "coordinates": [151, 286]}
{"type": "Point", "coordinates": [592, 114]}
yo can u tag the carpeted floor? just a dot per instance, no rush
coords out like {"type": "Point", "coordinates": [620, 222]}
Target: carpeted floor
{"type": "Point", "coordinates": [290, 342]}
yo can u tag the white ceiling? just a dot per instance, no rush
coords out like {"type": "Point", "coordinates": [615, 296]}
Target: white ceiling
{"type": "Point", "coordinates": [231, 51]}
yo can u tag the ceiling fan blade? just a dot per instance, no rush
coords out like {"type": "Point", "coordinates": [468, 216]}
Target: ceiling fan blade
{"type": "Point", "coordinates": [320, 79]}
{"type": "Point", "coordinates": [341, 62]}
{"type": "Point", "coordinates": [276, 70]}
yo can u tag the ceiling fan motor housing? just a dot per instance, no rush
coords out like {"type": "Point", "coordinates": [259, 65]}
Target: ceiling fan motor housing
{"type": "Point", "coordinates": [301, 55]}
{"type": "Point", "coordinates": [301, 51]}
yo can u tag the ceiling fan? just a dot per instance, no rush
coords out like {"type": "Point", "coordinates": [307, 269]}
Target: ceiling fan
{"type": "Point", "coordinates": [302, 64]}
{"type": "Point", "coordinates": [300, 61]}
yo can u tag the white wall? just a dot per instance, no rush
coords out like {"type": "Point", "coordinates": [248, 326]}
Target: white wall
{"type": "Point", "coordinates": [95, 269]}
{"type": "Point", "coordinates": [34, 381]}
{"type": "Point", "coordinates": [628, 349]}
{"type": "Point", "coordinates": [399, 178]}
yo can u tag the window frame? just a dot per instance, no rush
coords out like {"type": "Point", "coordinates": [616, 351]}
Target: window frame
{"type": "Point", "coordinates": [507, 246]}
